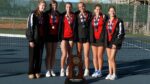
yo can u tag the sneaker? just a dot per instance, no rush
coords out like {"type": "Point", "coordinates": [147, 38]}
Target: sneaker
{"type": "Point", "coordinates": [67, 72]}
{"type": "Point", "coordinates": [113, 77]}
{"type": "Point", "coordinates": [37, 75]}
{"type": "Point", "coordinates": [62, 73]}
{"type": "Point", "coordinates": [47, 74]}
{"type": "Point", "coordinates": [97, 74]}
{"type": "Point", "coordinates": [86, 73]}
{"type": "Point", "coordinates": [52, 73]}
{"type": "Point", "coordinates": [108, 77]}
{"type": "Point", "coordinates": [31, 76]}
{"type": "Point", "coordinates": [94, 74]}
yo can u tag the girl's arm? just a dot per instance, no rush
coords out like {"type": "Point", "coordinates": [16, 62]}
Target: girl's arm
{"type": "Point", "coordinates": [120, 33]}
{"type": "Point", "coordinates": [30, 29]}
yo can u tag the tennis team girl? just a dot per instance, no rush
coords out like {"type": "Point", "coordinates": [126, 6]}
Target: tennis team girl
{"type": "Point", "coordinates": [53, 21]}
{"type": "Point", "coordinates": [66, 36]}
{"type": "Point", "coordinates": [36, 37]}
{"type": "Point", "coordinates": [114, 37]}
{"type": "Point", "coordinates": [97, 38]}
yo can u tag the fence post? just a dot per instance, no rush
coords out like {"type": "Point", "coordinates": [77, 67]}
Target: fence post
{"type": "Point", "coordinates": [148, 20]}
{"type": "Point", "coordinates": [134, 19]}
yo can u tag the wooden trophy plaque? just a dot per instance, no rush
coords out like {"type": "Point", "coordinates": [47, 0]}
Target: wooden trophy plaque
{"type": "Point", "coordinates": [75, 71]}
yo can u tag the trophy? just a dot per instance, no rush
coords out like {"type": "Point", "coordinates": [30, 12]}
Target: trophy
{"type": "Point", "coordinates": [75, 71]}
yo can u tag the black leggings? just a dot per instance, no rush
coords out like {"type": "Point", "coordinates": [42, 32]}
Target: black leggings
{"type": "Point", "coordinates": [35, 58]}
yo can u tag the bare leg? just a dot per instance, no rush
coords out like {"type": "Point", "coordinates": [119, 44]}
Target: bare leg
{"type": "Point", "coordinates": [100, 57]}
{"type": "Point", "coordinates": [86, 47]}
{"type": "Point", "coordinates": [95, 59]}
{"type": "Point", "coordinates": [109, 60]}
{"type": "Point", "coordinates": [79, 49]}
{"type": "Point", "coordinates": [69, 54]}
{"type": "Point", "coordinates": [64, 53]}
{"type": "Point", "coordinates": [112, 58]}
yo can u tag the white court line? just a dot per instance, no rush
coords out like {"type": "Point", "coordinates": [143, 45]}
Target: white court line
{"type": "Point", "coordinates": [138, 46]}
{"type": "Point", "coordinates": [12, 35]}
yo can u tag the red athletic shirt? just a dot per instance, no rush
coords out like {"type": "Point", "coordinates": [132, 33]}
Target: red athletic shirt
{"type": "Point", "coordinates": [68, 31]}
{"type": "Point", "coordinates": [97, 33]}
{"type": "Point", "coordinates": [53, 27]}
{"type": "Point", "coordinates": [110, 34]}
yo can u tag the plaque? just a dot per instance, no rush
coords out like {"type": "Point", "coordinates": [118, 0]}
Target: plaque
{"type": "Point", "coordinates": [75, 71]}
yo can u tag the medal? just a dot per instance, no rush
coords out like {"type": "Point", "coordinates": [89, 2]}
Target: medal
{"type": "Point", "coordinates": [82, 19]}
{"type": "Point", "coordinates": [53, 27]}
{"type": "Point", "coordinates": [110, 24]}
{"type": "Point", "coordinates": [69, 19]}
{"type": "Point", "coordinates": [53, 16]}
{"type": "Point", "coordinates": [96, 20]}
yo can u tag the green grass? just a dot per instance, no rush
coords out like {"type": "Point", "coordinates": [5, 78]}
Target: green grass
{"type": "Point", "coordinates": [137, 35]}
{"type": "Point", "coordinates": [13, 21]}
{"type": "Point", "coordinates": [13, 31]}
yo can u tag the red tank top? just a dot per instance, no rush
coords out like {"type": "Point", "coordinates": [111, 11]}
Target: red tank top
{"type": "Point", "coordinates": [98, 31]}
{"type": "Point", "coordinates": [68, 31]}
{"type": "Point", "coordinates": [114, 24]}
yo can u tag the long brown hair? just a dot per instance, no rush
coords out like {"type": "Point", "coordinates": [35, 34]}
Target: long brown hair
{"type": "Point", "coordinates": [98, 5]}
{"type": "Point", "coordinates": [53, 2]}
{"type": "Point", "coordinates": [82, 4]}
{"type": "Point", "coordinates": [113, 8]}
{"type": "Point", "coordinates": [37, 12]}
{"type": "Point", "coordinates": [68, 3]}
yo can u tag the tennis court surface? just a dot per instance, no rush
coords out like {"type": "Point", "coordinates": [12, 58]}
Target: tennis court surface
{"type": "Point", "coordinates": [133, 63]}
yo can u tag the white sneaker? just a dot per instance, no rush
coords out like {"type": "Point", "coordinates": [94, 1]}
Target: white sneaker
{"type": "Point", "coordinates": [62, 73]}
{"type": "Point", "coordinates": [52, 73]}
{"type": "Point", "coordinates": [94, 74]}
{"type": "Point", "coordinates": [47, 74]}
{"type": "Point", "coordinates": [67, 72]}
{"type": "Point", "coordinates": [86, 73]}
{"type": "Point", "coordinates": [97, 74]}
{"type": "Point", "coordinates": [108, 77]}
{"type": "Point", "coordinates": [113, 77]}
